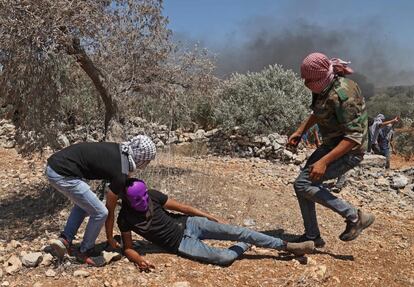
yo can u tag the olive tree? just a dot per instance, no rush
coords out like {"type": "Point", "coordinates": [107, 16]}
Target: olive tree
{"type": "Point", "coordinates": [116, 53]}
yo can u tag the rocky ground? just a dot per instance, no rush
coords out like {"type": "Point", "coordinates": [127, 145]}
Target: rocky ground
{"type": "Point", "coordinates": [251, 192]}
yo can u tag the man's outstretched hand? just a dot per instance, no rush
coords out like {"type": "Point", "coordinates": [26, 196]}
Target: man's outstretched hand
{"type": "Point", "coordinates": [145, 265]}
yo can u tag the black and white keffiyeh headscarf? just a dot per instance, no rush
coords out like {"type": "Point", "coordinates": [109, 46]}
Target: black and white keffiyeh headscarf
{"type": "Point", "coordinates": [374, 129]}
{"type": "Point", "coordinates": [140, 149]}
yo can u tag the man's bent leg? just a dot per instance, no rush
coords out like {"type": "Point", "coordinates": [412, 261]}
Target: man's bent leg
{"type": "Point", "coordinates": [90, 203]}
{"type": "Point", "coordinates": [195, 249]}
{"type": "Point", "coordinates": [207, 229]}
{"type": "Point", "coordinates": [307, 191]}
{"type": "Point", "coordinates": [307, 207]}
{"type": "Point", "coordinates": [76, 217]}
{"type": "Point", "coordinates": [308, 211]}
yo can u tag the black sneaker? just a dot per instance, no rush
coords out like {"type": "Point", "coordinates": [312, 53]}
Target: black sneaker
{"type": "Point", "coordinates": [319, 242]}
{"type": "Point", "coordinates": [354, 229]}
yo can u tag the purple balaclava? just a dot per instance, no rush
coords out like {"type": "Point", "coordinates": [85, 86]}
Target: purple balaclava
{"type": "Point", "coordinates": [137, 195]}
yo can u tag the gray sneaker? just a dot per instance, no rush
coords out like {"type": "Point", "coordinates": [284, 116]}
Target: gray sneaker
{"type": "Point", "coordinates": [354, 229]}
{"type": "Point", "coordinates": [60, 247]}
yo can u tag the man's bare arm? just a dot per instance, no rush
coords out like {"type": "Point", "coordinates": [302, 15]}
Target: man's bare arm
{"type": "Point", "coordinates": [111, 200]}
{"type": "Point", "coordinates": [294, 139]}
{"type": "Point", "coordinates": [132, 254]}
{"type": "Point", "coordinates": [393, 121]}
{"type": "Point", "coordinates": [172, 204]}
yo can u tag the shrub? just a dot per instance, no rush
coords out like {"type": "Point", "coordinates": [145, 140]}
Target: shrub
{"type": "Point", "coordinates": [273, 100]}
{"type": "Point", "coordinates": [392, 101]}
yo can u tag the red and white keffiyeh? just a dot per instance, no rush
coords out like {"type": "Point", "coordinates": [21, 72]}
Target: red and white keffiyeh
{"type": "Point", "coordinates": [319, 71]}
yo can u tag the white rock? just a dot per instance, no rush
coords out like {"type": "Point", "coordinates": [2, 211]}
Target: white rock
{"type": "Point", "coordinates": [13, 265]}
{"type": "Point", "coordinates": [111, 256]}
{"type": "Point", "coordinates": [318, 272]}
{"type": "Point", "coordinates": [160, 144]}
{"type": "Point", "coordinates": [38, 284]}
{"type": "Point", "coordinates": [300, 158]}
{"type": "Point", "coordinates": [181, 284]}
{"type": "Point", "coordinates": [399, 181]}
{"type": "Point", "coordinates": [15, 244]}
{"type": "Point", "coordinates": [5, 283]}
{"type": "Point", "coordinates": [373, 160]}
{"type": "Point", "coordinates": [321, 271]}
{"type": "Point", "coordinates": [141, 281]}
{"type": "Point", "coordinates": [47, 260]}
{"type": "Point", "coordinates": [32, 259]}
{"type": "Point", "coordinates": [81, 273]}
{"type": "Point", "coordinates": [286, 154]}
{"type": "Point", "coordinates": [63, 141]}
{"type": "Point", "coordinates": [50, 273]}
{"type": "Point", "coordinates": [282, 140]}
{"type": "Point", "coordinates": [211, 132]}
{"type": "Point", "coordinates": [382, 182]}
{"type": "Point", "coordinates": [276, 146]}
{"type": "Point", "coordinates": [249, 222]}
{"type": "Point", "coordinates": [200, 134]}
{"type": "Point", "coordinates": [311, 261]}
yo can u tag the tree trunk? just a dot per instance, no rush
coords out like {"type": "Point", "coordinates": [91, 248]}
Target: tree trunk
{"type": "Point", "coordinates": [113, 128]}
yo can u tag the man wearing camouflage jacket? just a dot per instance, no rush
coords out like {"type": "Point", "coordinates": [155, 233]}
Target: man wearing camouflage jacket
{"type": "Point", "coordinates": [339, 110]}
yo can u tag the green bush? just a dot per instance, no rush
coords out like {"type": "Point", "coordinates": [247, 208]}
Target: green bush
{"type": "Point", "coordinates": [273, 100]}
{"type": "Point", "coordinates": [404, 143]}
{"type": "Point", "coordinates": [392, 101]}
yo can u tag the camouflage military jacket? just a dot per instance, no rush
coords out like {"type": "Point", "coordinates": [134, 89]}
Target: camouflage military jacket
{"type": "Point", "coordinates": [341, 113]}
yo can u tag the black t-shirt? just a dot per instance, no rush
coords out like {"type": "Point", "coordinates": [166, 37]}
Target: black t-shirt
{"type": "Point", "coordinates": [157, 225]}
{"type": "Point", "coordinates": [91, 161]}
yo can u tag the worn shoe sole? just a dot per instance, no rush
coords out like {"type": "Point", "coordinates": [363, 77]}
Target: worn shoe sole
{"type": "Point", "coordinates": [367, 224]}
{"type": "Point", "coordinates": [300, 249]}
{"type": "Point", "coordinates": [59, 249]}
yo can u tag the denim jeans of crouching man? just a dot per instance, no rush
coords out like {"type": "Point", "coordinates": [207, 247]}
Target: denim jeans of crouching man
{"type": "Point", "coordinates": [86, 204]}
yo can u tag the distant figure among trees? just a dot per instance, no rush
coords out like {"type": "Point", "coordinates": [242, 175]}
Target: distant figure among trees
{"type": "Point", "coordinates": [312, 136]}
{"type": "Point", "coordinates": [381, 134]}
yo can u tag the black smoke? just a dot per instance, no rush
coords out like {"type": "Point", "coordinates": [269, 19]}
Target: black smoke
{"type": "Point", "coordinates": [368, 50]}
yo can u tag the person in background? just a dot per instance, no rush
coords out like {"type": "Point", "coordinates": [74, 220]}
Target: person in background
{"type": "Point", "coordinates": [339, 110]}
{"type": "Point", "coordinates": [305, 139]}
{"type": "Point", "coordinates": [375, 128]}
{"type": "Point", "coordinates": [314, 131]}
{"type": "Point", "coordinates": [67, 171]}
{"type": "Point", "coordinates": [385, 141]}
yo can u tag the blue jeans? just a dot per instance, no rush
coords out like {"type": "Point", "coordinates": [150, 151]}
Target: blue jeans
{"type": "Point", "coordinates": [199, 228]}
{"type": "Point", "coordinates": [86, 203]}
{"type": "Point", "coordinates": [385, 151]}
{"type": "Point", "coordinates": [309, 192]}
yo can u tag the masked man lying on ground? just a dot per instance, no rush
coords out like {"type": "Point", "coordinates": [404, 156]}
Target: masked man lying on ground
{"type": "Point", "coordinates": [145, 212]}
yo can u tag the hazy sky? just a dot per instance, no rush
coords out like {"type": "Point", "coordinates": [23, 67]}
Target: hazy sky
{"type": "Point", "coordinates": [247, 35]}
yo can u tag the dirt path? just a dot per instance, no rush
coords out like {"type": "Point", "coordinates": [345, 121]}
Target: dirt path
{"type": "Point", "coordinates": [235, 189]}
